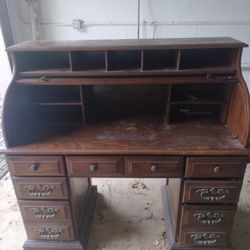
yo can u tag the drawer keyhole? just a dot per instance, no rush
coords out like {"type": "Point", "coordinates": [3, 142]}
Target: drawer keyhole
{"type": "Point", "coordinates": [217, 169]}
{"type": "Point", "coordinates": [93, 167]}
{"type": "Point", "coordinates": [154, 168]}
{"type": "Point", "coordinates": [34, 167]}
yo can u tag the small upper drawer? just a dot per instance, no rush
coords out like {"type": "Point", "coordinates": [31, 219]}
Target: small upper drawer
{"type": "Point", "coordinates": [36, 165]}
{"type": "Point", "coordinates": [89, 166]}
{"type": "Point", "coordinates": [211, 191]}
{"type": "Point", "coordinates": [207, 217]}
{"type": "Point", "coordinates": [147, 166]}
{"type": "Point", "coordinates": [216, 167]}
{"type": "Point", "coordinates": [45, 211]}
{"type": "Point", "coordinates": [40, 187]}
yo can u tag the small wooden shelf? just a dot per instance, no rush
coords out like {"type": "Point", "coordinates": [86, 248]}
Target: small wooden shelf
{"type": "Point", "coordinates": [160, 59]}
{"type": "Point", "coordinates": [123, 60]}
{"type": "Point", "coordinates": [88, 60]}
{"type": "Point", "coordinates": [43, 61]}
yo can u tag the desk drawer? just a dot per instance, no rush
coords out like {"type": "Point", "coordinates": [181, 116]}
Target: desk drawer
{"type": "Point", "coordinates": [45, 211]}
{"type": "Point", "coordinates": [211, 191]}
{"type": "Point", "coordinates": [216, 167]}
{"type": "Point", "coordinates": [204, 238]}
{"type": "Point", "coordinates": [207, 217]}
{"type": "Point", "coordinates": [154, 166]}
{"type": "Point", "coordinates": [94, 166]}
{"type": "Point", "coordinates": [40, 188]}
{"type": "Point", "coordinates": [36, 165]}
{"type": "Point", "coordinates": [49, 231]}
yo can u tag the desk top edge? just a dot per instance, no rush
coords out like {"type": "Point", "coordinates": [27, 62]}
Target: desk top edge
{"type": "Point", "coordinates": [171, 43]}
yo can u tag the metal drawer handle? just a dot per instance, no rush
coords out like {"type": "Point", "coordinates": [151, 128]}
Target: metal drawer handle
{"type": "Point", "coordinates": [34, 167]}
{"type": "Point", "coordinates": [217, 169]}
{"type": "Point", "coordinates": [49, 233]}
{"type": "Point", "coordinates": [209, 218]}
{"type": "Point", "coordinates": [93, 167]}
{"type": "Point", "coordinates": [44, 78]}
{"type": "Point", "coordinates": [44, 213]}
{"type": "Point", "coordinates": [39, 190]}
{"type": "Point", "coordinates": [154, 168]}
{"type": "Point", "coordinates": [213, 194]}
{"type": "Point", "coordinates": [205, 239]}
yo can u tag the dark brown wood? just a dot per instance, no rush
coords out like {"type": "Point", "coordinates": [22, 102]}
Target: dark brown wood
{"type": "Point", "coordinates": [172, 244]}
{"type": "Point", "coordinates": [45, 211]}
{"type": "Point", "coordinates": [216, 167]}
{"type": "Point", "coordinates": [49, 231]}
{"type": "Point", "coordinates": [210, 42]}
{"type": "Point", "coordinates": [163, 108]}
{"type": "Point", "coordinates": [164, 167]}
{"type": "Point", "coordinates": [215, 238]}
{"type": "Point", "coordinates": [36, 165]}
{"type": "Point", "coordinates": [211, 191]}
{"type": "Point", "coordinates": [40, 188]}
{"type": "Point", "coordinates": [207, 217]}
{"type": "Point", "coordinates": [146, 137]}
{"type": "Point", "coordinates": [94, 166]}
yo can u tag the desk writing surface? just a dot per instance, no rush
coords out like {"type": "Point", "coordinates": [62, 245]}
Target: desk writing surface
{"type": "Point", "coordinates": [133, 137]}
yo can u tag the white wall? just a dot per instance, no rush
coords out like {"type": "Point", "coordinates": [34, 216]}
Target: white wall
{"type": "Point", "coordinates": [5, 72]}
{"type": "Point", "coordinates": [112, 19]}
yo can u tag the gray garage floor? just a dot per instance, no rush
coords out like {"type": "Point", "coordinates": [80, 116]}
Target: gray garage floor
{"type": "Point", "coordinates": [128, 216]}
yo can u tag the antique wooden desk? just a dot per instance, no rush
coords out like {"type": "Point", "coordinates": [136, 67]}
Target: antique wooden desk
{"type": "Point", "coordinates": [168, 108]}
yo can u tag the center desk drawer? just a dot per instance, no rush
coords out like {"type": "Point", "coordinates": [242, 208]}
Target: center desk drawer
{"type": "Point", "coordinates": [89, 166]}
{"type": "Point", "coordinates": [40, 187]}
{"type": "Point", "coordinates": [36, 165]}
{"type": "Point", "coordinates": [154, 166]}
{"type": "Point", "coordinates": [216, 167]}
{"type": "Point", "coordinates": [211, 191]}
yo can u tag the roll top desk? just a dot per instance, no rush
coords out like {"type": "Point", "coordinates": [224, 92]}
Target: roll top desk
{"type": "Point", "coordinates": [164, 108]}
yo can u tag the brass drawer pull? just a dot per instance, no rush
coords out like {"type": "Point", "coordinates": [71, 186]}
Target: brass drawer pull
{"type": "Point", "coordinates": [39, 190]}
{"type": "Point", "coordinates": [213, 194]}
{"type": "Point", "coordinates": [44, 78]}
{"type": "Point", "coordinates": [93, 167]}
{"type": "Point", "coordinates": [49, 233]}
{"type": "Point", "coordinates": [154, 168]}
{"type": "Point", "coordinates": [205, 239]}
{"type": "Point", "coordinates": [44, 213]}
{"type": "Point", "coordinates": [34, 167]}
{"type": "Point", "coordinates": [217, 169]}
{"type": "Point", "coordinates": [209, 218]}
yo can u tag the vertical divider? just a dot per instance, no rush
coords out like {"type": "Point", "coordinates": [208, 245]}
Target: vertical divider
{"type": "Point", "coordinates": [82, 104]}
{"type": "Point", "coordinates": [106, 60]}
{"type": "Point", "coordinates": [70, 60]}
{"type": "Point", "coordinates": [178, 60]}
{"type": "Point", "coordinates": [142, 60]}
{"type": "Point", "coordinates": [167, 114]}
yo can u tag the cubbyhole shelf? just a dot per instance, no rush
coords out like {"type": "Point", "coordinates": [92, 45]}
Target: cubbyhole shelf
{"type": "Point", "coordinates": [123, 60]}
{"type": "Point", "coordinates": [199, 102]}
{"type": "Point", "coordinates": [110, 103]}
{"type": "Point", "coordinates": [43, 61]}
{"type": "Point", "coordinates": [60, 95]}
{"type": "Point", "coordinates": [160, 59]}
{"type": "Point", "coordinates": [206, 58]}
{"type": "Point", "coordinates": [88, 60]}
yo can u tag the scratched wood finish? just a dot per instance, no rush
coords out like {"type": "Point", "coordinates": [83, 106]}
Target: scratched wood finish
{"type": "Point", "coordinates": [36, 165]}
{"type": "Point", "coordinates": [215, 167]}
{"type": "Point", "coordinates": [207, 191]}
{"type": "Point", "coordinates": [176, 108]}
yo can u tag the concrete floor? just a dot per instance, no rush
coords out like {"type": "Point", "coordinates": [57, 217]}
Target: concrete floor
{"type": "Point", "coordinates": [128, 216]}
